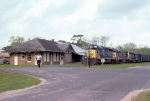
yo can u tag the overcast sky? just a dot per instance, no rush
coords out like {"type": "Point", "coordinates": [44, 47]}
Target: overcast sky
{"type": "Point", "coordinates": [123, 21]}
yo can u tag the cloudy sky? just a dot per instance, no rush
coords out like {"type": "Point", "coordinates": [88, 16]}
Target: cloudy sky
{"type": "Point", "coordinates": [123, 21]}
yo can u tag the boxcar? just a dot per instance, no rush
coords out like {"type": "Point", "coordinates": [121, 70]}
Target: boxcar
{"type": "Point", "coordinates": [138, 58]}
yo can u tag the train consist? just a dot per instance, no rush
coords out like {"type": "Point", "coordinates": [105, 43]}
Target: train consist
{"type": "Point", "coordinates": [99, 55]}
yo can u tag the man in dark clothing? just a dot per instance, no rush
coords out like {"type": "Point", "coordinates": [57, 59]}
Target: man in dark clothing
{"type": "Point", "coordinates": [89, 61]}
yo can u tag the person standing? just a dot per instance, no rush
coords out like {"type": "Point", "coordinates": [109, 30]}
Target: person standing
{"type": "Point", "coordinates": [38, 58]}
{"type": "Point", "coordinates": [89, 61]}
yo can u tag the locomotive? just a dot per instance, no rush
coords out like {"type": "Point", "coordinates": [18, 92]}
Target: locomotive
{"type": "Point", "coordinates": [99, 54]}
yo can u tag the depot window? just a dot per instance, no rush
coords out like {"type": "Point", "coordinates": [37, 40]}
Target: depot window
{"type": "Point", "coordinates": [28, 56]}
{"type": "Point", "coordinates": [23, 56]}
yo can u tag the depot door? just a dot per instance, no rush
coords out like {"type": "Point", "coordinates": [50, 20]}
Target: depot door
{"type": "Point", "coordinates": [15, 59]}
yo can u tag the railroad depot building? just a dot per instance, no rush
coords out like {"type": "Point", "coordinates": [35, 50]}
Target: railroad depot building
{"type": "Point", "coordinates": [52, 52]}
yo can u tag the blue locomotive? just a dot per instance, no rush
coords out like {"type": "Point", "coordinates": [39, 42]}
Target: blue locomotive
{"type": "Point", "coordinates": [99, 54]}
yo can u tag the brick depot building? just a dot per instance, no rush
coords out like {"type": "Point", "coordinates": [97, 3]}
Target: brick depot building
{"type": "Point", "coordinates": [51, 51]}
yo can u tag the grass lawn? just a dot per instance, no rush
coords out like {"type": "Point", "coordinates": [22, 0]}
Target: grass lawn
{"type": "Point", "coordinates": [79, 65]}
{"type": "Point", "coordinates": [15, 66]}
{"type": "Point", "coordinates": [144, 96]}
{"type": "Point", "coordinates": [13, 81]}
{"type": "Point", "coordinates": [106, 66]}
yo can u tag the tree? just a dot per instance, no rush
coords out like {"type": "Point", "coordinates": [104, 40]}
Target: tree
{"type": "Point", "coordinates": [95, 40]}
{"type": "Point", "coordinates": [119, 47]}
{"type": "Point", "coordinates": [16, 40]}
{"type": "Point", "coordinates": [103, 40]}
{"type": "Point", "coordinates": [85, 43]}
{"type": "Point", "coordinates": [144, 50]}
{"type": "Point", "coordinates": [62, 41]}
{"type": "Point", "coordinates": [77, 39]}
{"type": "Point", "coordinates": [6, 47]}
{"type": "Point", "coordinates": [131, 47]}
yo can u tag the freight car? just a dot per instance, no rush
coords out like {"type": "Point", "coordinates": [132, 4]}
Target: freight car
{"type": "Point", "coordinates": [139, 58]}
{"type": "Point", "coordinates": [145, 58]}
{"type": "Point", "coordinates": [112, 56]}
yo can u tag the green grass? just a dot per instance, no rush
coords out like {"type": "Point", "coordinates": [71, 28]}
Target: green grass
{"type": "Point", "coordinates": [13, 81]}
{"type": "Point", "coordinates": [106, 66]}
{"type": "Point", "coordinates": [15, 66]}
{"type": "Point", "coordinates": [121, 66]}
{"type": "Point", "coordinates": [79, 65]}
{"type": "Point", "coordinates": [144, 96]}
{"type": "Point", "coordinates": [19, 66]}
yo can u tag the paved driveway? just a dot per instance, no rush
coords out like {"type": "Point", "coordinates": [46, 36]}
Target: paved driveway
{"type": "Point", "coordinates": [76, 84]}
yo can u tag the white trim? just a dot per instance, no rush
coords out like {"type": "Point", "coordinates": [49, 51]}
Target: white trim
{"type": "Point", "coordinates": [15, 59]}
{"type": "Point", "coordinates": [57, 57]}
{"type": "Point", "coordinates": [54, 57]}
{"type": "Point", "coordinates": [51, 58]}
{"type": "Point", "coordinates": [48, 56]}
{"type": "Point", "coordinates": [35, 61]}
{"type": "Point", "coordinates": [45, 57]}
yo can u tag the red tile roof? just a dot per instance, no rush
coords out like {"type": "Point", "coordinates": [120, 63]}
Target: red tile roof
{"type": "Point", "coordinates": [4, 54]}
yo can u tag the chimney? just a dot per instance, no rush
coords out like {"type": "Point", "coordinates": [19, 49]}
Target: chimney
{"type": "Point", "coordinates": [53, 40]}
